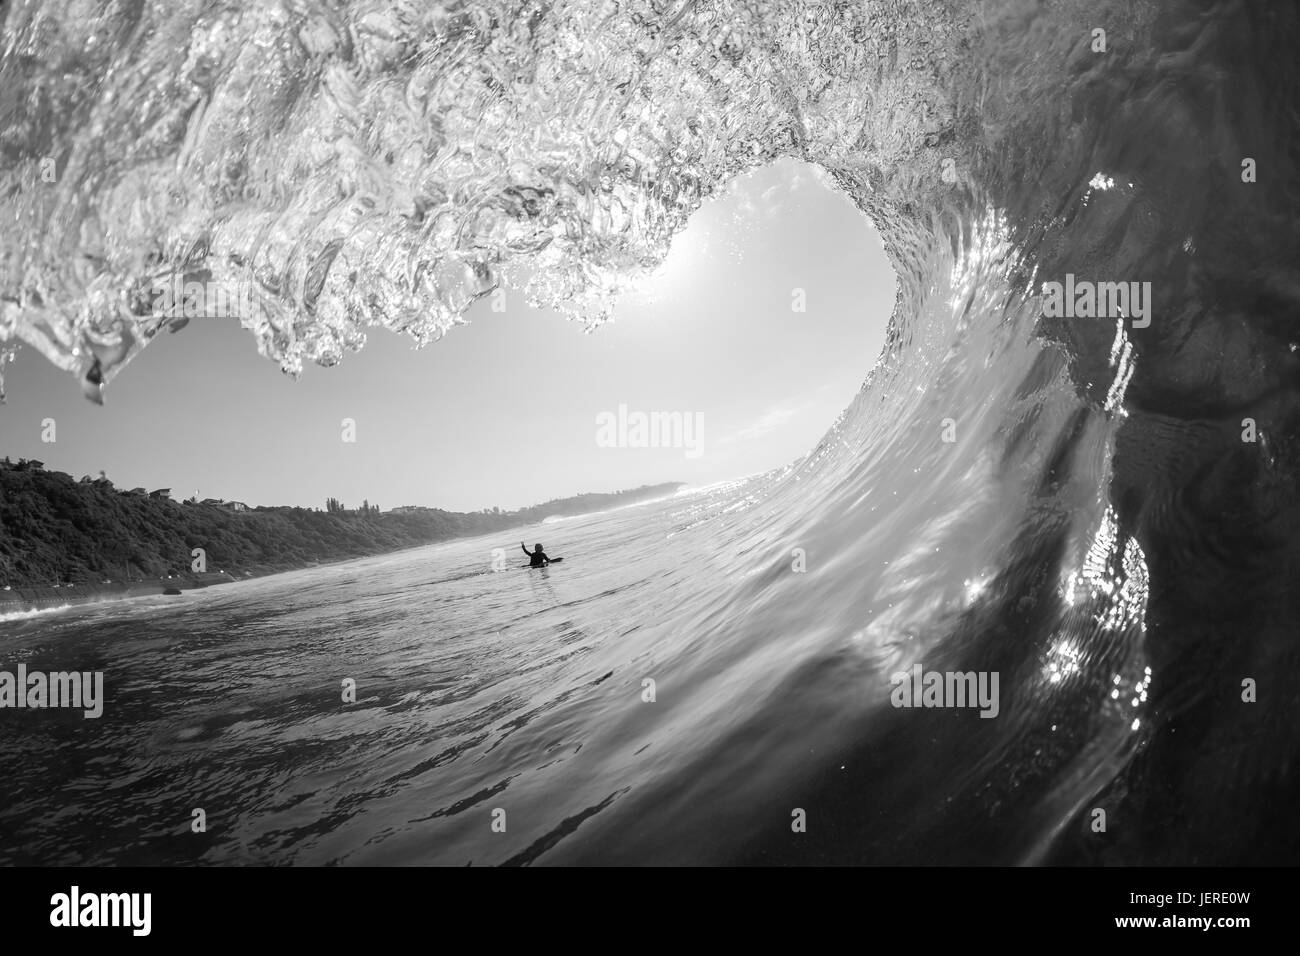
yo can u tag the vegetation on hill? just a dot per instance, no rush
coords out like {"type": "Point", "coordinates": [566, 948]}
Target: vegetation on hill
{"type": "Point", "coordinates": [54, 529]}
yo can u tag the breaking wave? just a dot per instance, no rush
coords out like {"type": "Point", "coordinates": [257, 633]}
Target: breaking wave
{"type": "Point", "coordinates": [1067, 501]}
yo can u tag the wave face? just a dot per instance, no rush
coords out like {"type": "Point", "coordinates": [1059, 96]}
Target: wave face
{"type": "Point", "coordinates": [1096, 531]}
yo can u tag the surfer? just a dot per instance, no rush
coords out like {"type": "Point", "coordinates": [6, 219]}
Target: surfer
{"type": "Point", "coordinates": [537, 557]}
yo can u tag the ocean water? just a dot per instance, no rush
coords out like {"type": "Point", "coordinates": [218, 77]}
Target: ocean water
{"type": "Point", "coordinates": [476, 689]}
{"type": "Point", "coordinates": [770, 628]}
{"type": "Point", "coordinates": [1103, 511]}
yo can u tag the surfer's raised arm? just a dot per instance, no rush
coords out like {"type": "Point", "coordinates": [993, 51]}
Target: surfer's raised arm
{"type": "Point", "coordinates": [525, 547]}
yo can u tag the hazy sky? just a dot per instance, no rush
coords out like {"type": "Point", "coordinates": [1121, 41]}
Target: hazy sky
{"type": "Point", "coordinates": [503, 411]}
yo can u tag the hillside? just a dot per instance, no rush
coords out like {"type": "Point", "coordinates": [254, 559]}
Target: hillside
{"type": "Point", "coordinates": [54, 529]}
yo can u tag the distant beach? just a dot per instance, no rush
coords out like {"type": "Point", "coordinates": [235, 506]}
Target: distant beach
{"type": "Point", "coordinates": [24, 598]}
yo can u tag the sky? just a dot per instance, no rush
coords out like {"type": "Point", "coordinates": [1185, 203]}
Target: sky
{"type": "Point", "coordinates": [504, 412]}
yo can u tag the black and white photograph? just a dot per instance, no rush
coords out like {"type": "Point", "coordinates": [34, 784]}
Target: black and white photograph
{"type": "Point", "coordinates": [647, 434]}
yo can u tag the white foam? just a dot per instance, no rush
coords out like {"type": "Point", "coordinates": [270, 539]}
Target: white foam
{"type": "Point", "coordinates": [27, 615]}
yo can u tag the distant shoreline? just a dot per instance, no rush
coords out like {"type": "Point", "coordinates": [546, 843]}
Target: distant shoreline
{"type": "Point", "coordinates": [24, 598]}
{"type": "Point", "coordinates": [157, 537]}
{"type": "Point", "coordinates": [27, 597]}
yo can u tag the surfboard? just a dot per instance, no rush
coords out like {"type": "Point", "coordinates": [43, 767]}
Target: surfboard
{"type": "Point", "coordinates": [529, 567]}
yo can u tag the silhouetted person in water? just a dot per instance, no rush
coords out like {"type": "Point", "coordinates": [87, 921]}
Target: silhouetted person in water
{"type": "Point", "coordinates": [537, 557]}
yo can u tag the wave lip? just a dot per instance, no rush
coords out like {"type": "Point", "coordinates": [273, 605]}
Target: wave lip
{"type": "Point", "coordinates": [338, 168]}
